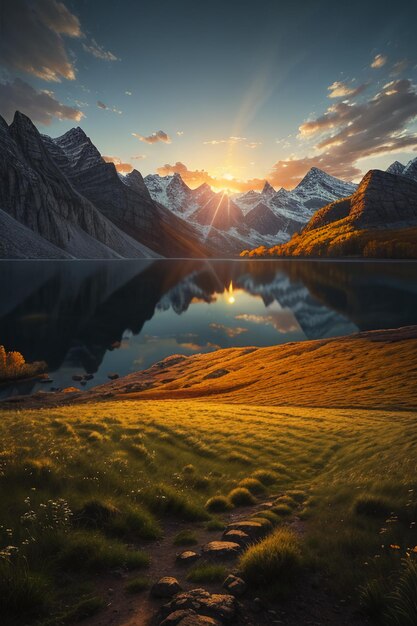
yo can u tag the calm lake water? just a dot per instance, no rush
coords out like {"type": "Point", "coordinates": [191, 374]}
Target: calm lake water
{"type": "Point", "coordinates": [122, 316]}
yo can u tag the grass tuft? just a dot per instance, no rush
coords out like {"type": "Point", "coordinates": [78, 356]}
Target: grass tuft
{"type": "Point", "coordinates": [265, 476]}
{"type": "Point", "coordinates": [185, 538]}
{"type": "Point", "coordinates": [277, 558]}
{"type": "Point", "coordinates": [137, 584]}
{"type": "Point", "coordinates": [207, 573]}
{"type": "Point", "coordinates": [253, 485]}
{"type": "Point", "coordinates": [218, 504]}
{"type": "Point", "coordinates": [87, 551]}
{"type": "Point", "coordinates": [241, 497]}
{"type": "Point", "coordinates": [372, 506]}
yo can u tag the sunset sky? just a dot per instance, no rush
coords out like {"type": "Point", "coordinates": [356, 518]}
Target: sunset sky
{"type": "Point", "coordinates": [231, 93]}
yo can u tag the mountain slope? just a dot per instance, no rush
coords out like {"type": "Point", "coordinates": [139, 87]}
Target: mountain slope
{"type": "Point", "coordinates": [125, 201]}
{"type": "Point", "coordinates": [264, 220]}
{"type": "Point", "coordinates": [35, 192]}
{"type": "Point", "coordinates": [379, 219]}
{"type": "Point", "coordinates": [17, 241]}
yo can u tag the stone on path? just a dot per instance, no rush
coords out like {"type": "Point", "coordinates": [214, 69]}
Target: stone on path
{"type": "Point", "coordinates": [187, 557]}
{"type": "Point", "coordinates": [166, 587]}
{"type": "Point", "coordinates": [218, 606]}
{"type": "Point", "coordinates": [221, 549]}
{"type": "Point", "coordinates": [235, 585]}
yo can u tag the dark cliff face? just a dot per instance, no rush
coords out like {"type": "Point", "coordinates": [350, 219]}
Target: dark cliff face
{"type": "Point", "coordinates": [64, 191]}
{"type": "Point", "coordinates": [35, 192]}
{"type": "Point", "coordinates": [382, 200]}
{"type": "Point", "coordinates": [127, 204]}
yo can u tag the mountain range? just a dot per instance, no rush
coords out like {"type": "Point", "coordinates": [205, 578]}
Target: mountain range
{"type": "Point", "coordinates": [60, 199]}
{"type": "Point", "coordinates": [379, 219]}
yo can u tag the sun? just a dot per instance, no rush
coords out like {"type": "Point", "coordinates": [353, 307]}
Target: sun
{"type": "Point", "coordinates": [228, 176]}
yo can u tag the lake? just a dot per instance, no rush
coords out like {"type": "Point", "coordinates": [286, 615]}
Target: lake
{"type": "Point", "coordinates": [103, 317]}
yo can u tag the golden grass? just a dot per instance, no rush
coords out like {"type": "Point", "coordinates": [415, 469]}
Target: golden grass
{"type": "Point", "coordinates": [375, 369]}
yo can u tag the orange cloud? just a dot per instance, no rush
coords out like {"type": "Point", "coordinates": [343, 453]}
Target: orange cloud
{"type": "Point", "coordinates": [123, 168]}
{"type": "Point", "coordinates": [195, 178]}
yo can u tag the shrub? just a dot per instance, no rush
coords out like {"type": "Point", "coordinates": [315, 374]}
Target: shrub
{"type": "Point", "coordinates": [372, 506]}
{"type": "Point", "coordinates": [185, 538]}
{"type": "Point", "coordinates": [207, 573]}
{"type": "Point", "coordinates": [265, 476]}
{"type": "Point", "coordinates": [241, 497]}
{"type": "Point", "coordinates": [253, 485]}
{"type": "Point", "coordinates": [218, 504]}
{"type": "Point", "coordinates": [275, 559]}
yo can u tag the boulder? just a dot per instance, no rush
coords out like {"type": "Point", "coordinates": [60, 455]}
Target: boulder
{"type": "Point", "coordinates": [221, 549]}
{"type": "Point", "coordinates": [237, 536]}
{"type": "Point", "coordinates": [235, 585]}
{"type": "Point", "coordinates": [255, 530]}
{"type": "Point", "coordinates": [166, 587]}
{"type": "Point", "coordinates": [187, 557]}
{"type": "Point", "coordinates": [221, 607]}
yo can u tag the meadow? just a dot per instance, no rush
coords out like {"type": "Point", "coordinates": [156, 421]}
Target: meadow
{"type": "Point", "coordinates": [88, 489]}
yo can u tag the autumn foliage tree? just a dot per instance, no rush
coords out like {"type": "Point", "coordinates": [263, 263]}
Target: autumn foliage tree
{"type": "Point", "coordinates": [14, 366]}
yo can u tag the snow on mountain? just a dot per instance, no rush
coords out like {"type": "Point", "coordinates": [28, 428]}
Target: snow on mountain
{"type": "Point", "coordinates": [171, 191]}
{"type": "Point", "coordinates": [410, 169]}
{"type": "Point", "coordinates": [395, 168]}
{"type": "Point", "coordinates": [318, 189]}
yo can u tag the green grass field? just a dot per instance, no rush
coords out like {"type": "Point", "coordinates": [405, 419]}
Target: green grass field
{"type": "Point", "coordinates": [87, 488]}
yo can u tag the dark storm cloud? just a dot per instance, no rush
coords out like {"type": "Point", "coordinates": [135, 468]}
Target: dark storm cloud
{"type": "Point", "coordinates": [32, 38]}
{"type": "Point", "coordinates": [40, 106]}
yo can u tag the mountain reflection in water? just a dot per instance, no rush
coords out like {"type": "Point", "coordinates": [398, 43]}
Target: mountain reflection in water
{"type": "Point", "coordinates": [101, 317]}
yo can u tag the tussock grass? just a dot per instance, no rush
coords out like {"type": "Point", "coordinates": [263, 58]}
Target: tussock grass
{"type": "Point", "coordinates": [207, 573]}
{"type": "Point", "coordinates": [276, 559]}
{"type": "Point", "coordinates": [86, 551]}
{"type": "Point", "coordinates": [373, 506]}
{"type": "Point", "coordinates": [185, 538]}
{"type": "Point", "coordinates": [253, 485]}
{"type": "Point", "coordinates": [333, 464]}
{"type": "Point", "coordinates": [214, 525]}
{"type": "Point", "coordinates": [241, 497]}
{"type": "Point", "coordinates": [218, 504]}
{"type": "Point", "coordinates": [265, 476]}
{"type": "Point", "coordinates": [137, 584]}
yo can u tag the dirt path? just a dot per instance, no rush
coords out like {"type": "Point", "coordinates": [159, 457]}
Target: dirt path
{"type": "Point", "coordinates": [311, 604]}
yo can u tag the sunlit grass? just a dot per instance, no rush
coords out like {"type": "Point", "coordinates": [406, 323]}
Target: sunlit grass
{"type": "Point", "coordinates": [79, 503]}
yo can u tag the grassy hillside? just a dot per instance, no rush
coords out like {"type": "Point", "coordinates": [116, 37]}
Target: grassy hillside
{"type": "Point", "coordinates": [84, 491]}
{"type": "Point", "coordinates": [343, 239]}
{"type": "Point", "coordinates": [336, 372]}
{"type": "Point", "coordinates": [88, 488]}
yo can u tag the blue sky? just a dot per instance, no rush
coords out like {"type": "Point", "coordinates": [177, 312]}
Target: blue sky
{"type": "Point", "coordinates": [230, 85]}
